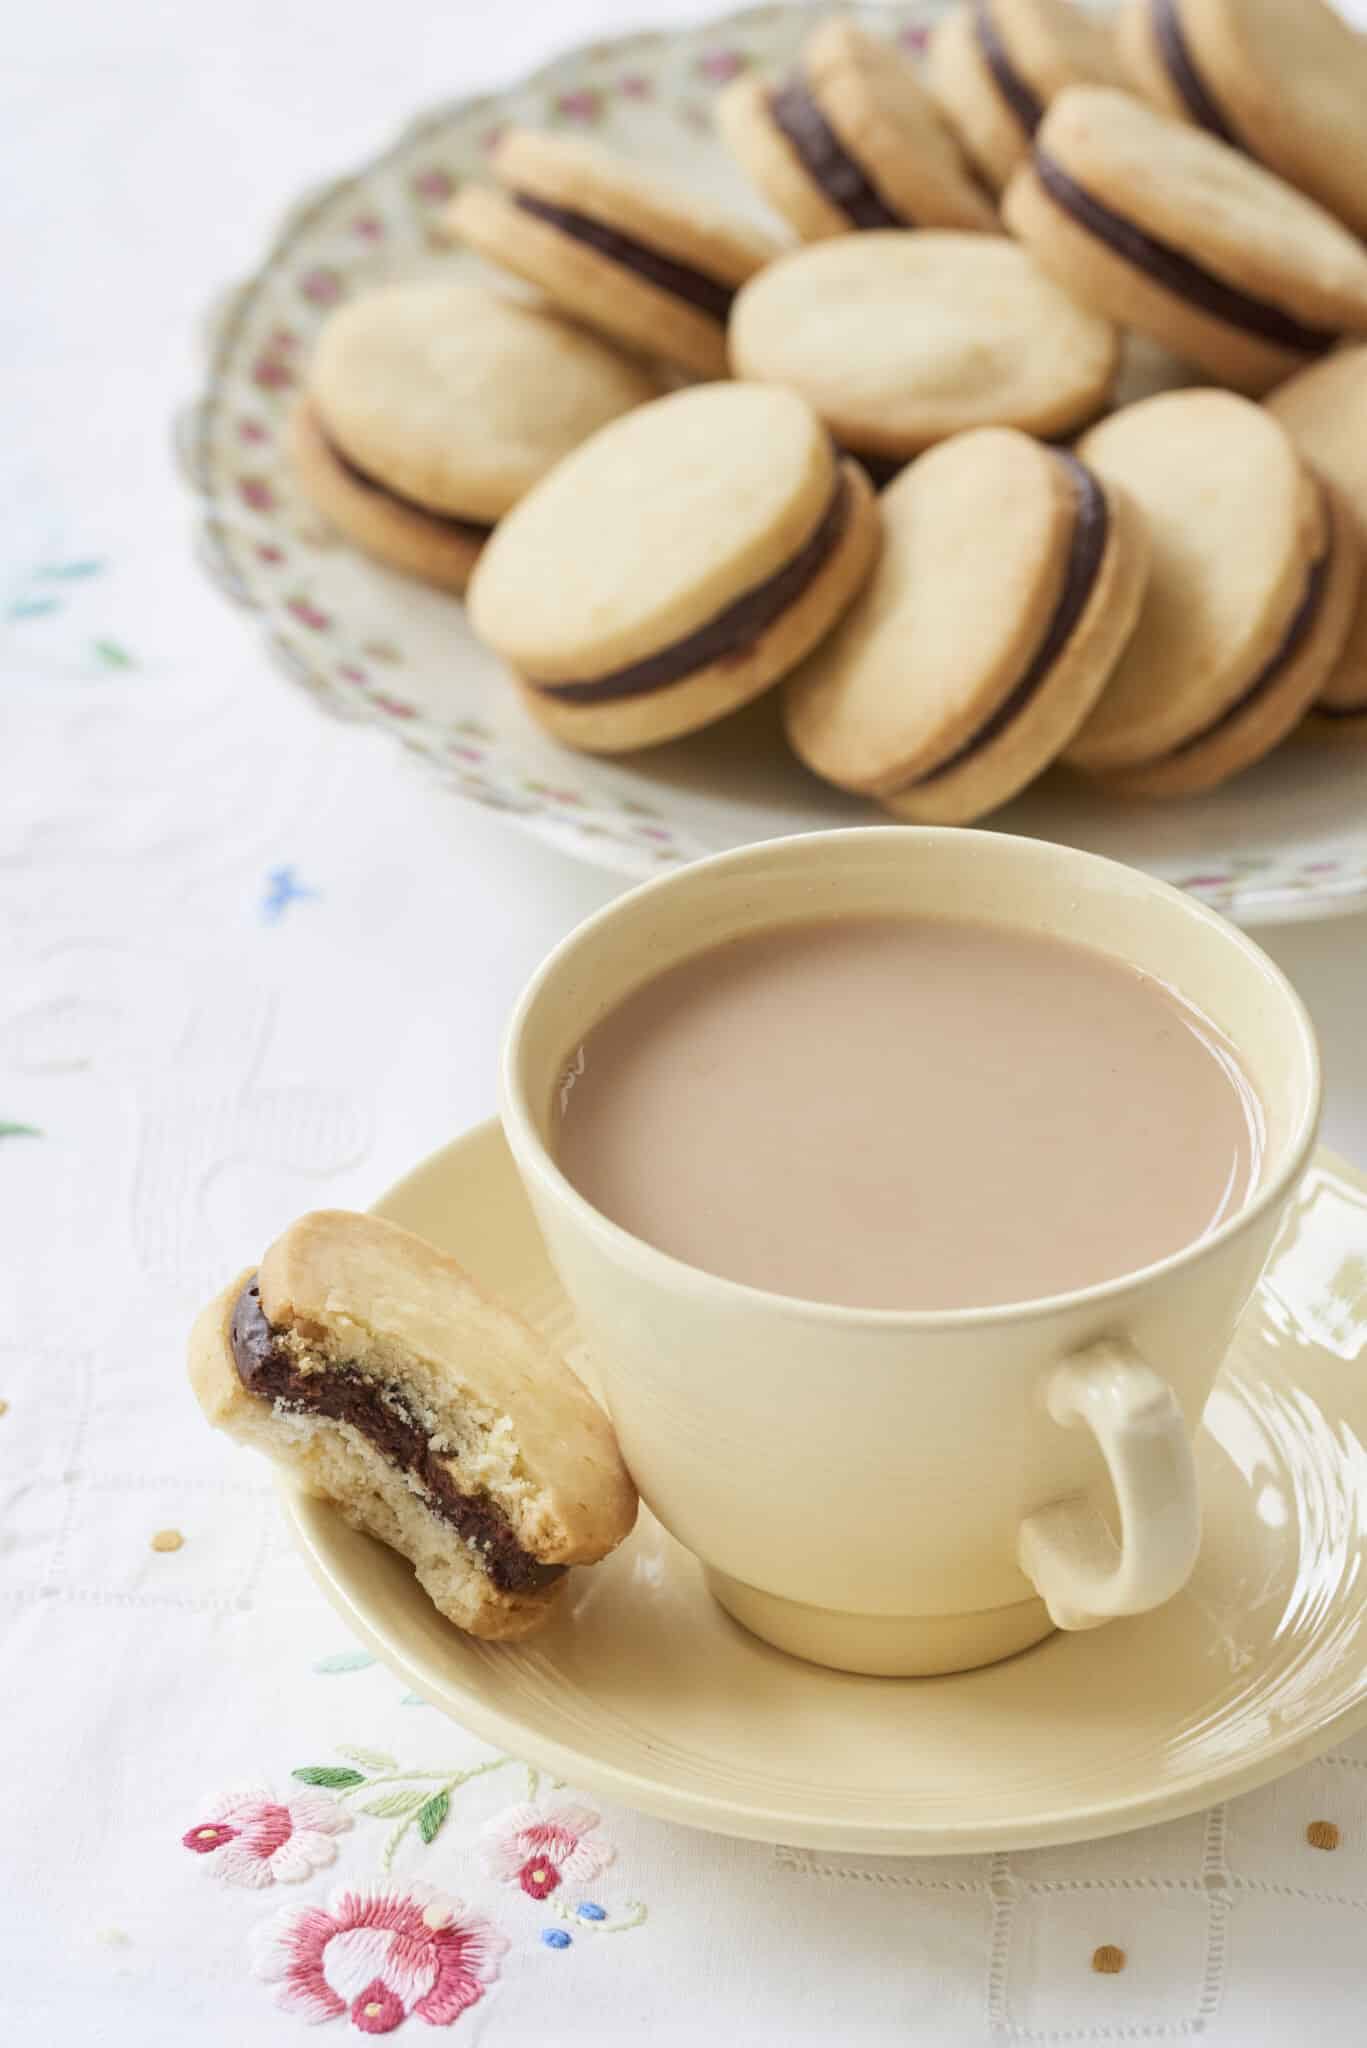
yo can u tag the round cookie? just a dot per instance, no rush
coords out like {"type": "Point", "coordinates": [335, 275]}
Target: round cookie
{"type": "Point", "coordinates": [900, 340]}
{"type": "Point", "coordinates": [675, 566]}
{"type": "Point", "coordinates": [1324, 410]}
{"type": "Point", "coordinates": [1284, 80]}
{"type": "Point", "coordinates": [640, 258]}
{"type": "Point", "coordinates": [995, 65]}
{"type": "Point", "coordinates": [851, 140]}
{"type": "Point", "coordinates": [430, 407]}
{"type": "Point", "coordinates": [1252, 590]}
{"type": "Point", "coordinates": [1167, 230]}
{"type": "Point", "coordinates": [1009, 581]}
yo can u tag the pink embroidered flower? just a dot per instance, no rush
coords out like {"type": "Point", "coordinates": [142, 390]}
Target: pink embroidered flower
{"type": "Point", "coordinates": [257, 1840]}
{"type": "Point", "coordinates": [583, 105]}
{"type": "Point", "coordinates": [541, 1848]}
{"type": "Point", "coordinates": [321, 285]}
{"type": "Point", "coordinates": [434, 184]}
{"type": "Point", "coordinates": [255, 492]}
{"type": "Point", "coordinates": [381, 1957]}
{"type": "Point", "coordinates": [721, 65]}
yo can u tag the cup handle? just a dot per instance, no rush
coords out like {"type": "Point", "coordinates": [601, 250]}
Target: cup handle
{"type": "Point", "coordinates": [1080, 1572]}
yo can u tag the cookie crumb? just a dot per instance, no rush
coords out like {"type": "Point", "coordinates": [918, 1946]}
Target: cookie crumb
{"type": "Point", "coordinates": [1108, 1961]}
{"type": "Point", "coordinates": [167, 1539]}
{"type": "Point", "coordinates": [1323, 1834]}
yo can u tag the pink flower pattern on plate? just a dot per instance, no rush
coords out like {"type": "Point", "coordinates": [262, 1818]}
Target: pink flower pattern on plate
{"type": "Point", "coordinates": [249, 1837]}
{"type": "Point", "coordinates": [380, 1957]}
{"type": "Point", "coordinates": [541, 1848]}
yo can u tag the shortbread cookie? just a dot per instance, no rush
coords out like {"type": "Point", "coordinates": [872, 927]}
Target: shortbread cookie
{"type": "Point", "coordinates": [1009, 581]}
{"type": "Point", "coordinates": [1324, 410]}
{"type": "Point", "coordinates": [639, 258]}
{"type": "Point", "coordinates": [851, 140]}
{"type": "Point", "coordinates": [899, 340]}
{"type": "Point", "coordinates": [995, 65]}
{"type": "Point", "coordinates": [1284, 80]}
{"type": "Point", "coordinates": [1165, 229]}
{"type": "Point", "coordinates": [371, 1367]}
{"type": "Point", "coordinates": [675, 566]}
{"type": "Point", "coordinates": [430, 407]}
{"type": "Point", "coordinates": [1252, 592]}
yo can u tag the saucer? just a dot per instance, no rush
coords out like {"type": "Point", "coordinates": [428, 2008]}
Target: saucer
{"type": "Point", "coordinates": [644, 1691]}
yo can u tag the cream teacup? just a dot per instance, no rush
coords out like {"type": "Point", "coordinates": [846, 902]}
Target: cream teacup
{"type": "Point", "coordinates": [914, 1492]}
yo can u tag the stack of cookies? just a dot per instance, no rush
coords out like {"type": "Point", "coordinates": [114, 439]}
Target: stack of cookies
{"type": "Point", "coordinates": [879, 459]}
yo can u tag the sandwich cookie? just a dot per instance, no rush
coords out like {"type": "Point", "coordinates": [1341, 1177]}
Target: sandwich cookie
{"type": "Point", "coordinates": [1284, 80]}
{"type": "Point", "coordinates": [899, 340]}
{"type": "Point", "coordinates": [1252, 591]}
{"type": "Point", "coordinates": [995, 65]}
{"type": "Point", "coordinates": [1168, 230]}
{"type": "Point", "coordinates": [642, 260]}
{"type": "Point", "coordinates": [1324, 410]}
{"type": "Point", "coordinates": [851, 140]}
{"type": "Point", "coordinates": [371, 1367]}
{"type": "Point", "coordinates": [1009, 581]}
{"type": "Point", "coordinates": [430, 407]}
{"type": "Point", "coordinates": [675, 566]}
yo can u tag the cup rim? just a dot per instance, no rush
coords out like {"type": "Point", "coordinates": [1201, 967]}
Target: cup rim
{"type": "Point", "coordinates": [534, 1156]}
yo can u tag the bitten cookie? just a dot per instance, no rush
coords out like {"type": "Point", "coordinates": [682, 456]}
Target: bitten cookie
{"type": "Point", "coordinates": [1009, 581]}
{"type": "Point", "coordinates": [1284, 80]}
{"type": "Point", "coordinates": [675, 566]}
{"type": "Point", "coordinates": [851, 140]}
{"type": "Point", "coordinates": [899, 340]}
{"type": "Point", "coordinates": [639, 258]}
{"type": "Point", "coordinates": [371, 1367]}
{"type": "Point", "coordinates": [995, 65]}
{"type": "Point", "coordinates": [1254, 581]}
{"type": "Point", "coordinates": [1165, 229]}
{"type": "Point", "coordinates": [430, 407]}
{"type": "Point", "coordinates": [1324, 410]}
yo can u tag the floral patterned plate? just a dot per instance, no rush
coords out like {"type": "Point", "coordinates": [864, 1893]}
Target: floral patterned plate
{"type": "Point", "coordinates": [1287, 841]}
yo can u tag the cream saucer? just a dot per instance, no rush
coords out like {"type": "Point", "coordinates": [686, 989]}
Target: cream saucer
{"type": "Point", "coordinates": [643, 1690]}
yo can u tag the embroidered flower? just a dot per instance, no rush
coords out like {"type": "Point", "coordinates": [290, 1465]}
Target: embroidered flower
{"type": "Point", "coordinates": [256, 1839]}
{"type": "Point", "coordinates": [541, 1848]}
{"type": "Point", "coordinates": [381, 1957]}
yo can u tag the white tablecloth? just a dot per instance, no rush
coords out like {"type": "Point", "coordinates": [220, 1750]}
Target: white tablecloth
{"type": "Point", "coordinates": [252, 963]}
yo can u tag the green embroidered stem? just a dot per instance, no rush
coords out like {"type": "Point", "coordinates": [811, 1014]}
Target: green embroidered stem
{"type": "Point", "coordinates": [407, 1806]}
{"type": "Point", "coordinates": [633, 1916]}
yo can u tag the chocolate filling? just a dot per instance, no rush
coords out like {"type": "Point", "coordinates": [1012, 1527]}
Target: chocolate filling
{"type": "Point", "coordinates": [1176, 272]}
{"type": "Point", "coordinates": [1302, 623]}
{"type": "Point", "coordinates": [708, 294]}
{"type": "Point", "coordinates": [1339, 710]}
{"type": "Point", "coordinates": [826, 160]}
{"type": "Point", "coordinates": [732, 632]}
{"type": "Point", "coordinates": [1091, 527]}
{"type": "Point", "coordinates": [471, 528]}
{"type": "Point", "coordinates": [1027, 107]}
{"type": "Point", "coordinates": [383, 1415]}
{"type": "Point", "coordinates": [1181, 68]}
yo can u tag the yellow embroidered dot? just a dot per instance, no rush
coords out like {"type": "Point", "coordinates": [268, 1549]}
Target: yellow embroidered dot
{"type": "Point", "coordinates": [167, 1539]}
{"type": "Point", "coordinates": [208, 1834]}
{"type": "Point", "coordinates": [1108, 1960]}
{"type": "Point", "coordinates": [1323, 1834]}
{"type": "Point", "coordinates": [372, 2010]}
{"type": "Point", "coordinates": [4, 1407]}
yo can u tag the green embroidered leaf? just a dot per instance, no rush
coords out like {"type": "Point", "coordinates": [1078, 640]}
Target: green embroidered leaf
{"type": "Point", "coordinates": [373, 1759]}
{"type": "Point", "coordinates": [393, 1805]}
{"type": "Point", "coordinates": [112, 655]}
{"type": "Point", "coordinates": [345, 1660]}
{"type": "Point", "coordinates": [433, 1814]}
{"type": "Point", "coordinates": [8, 1130]}
{"type": "Point", "coordinates": [333, 1776]}
{"type": "Point", "coordinates": [67, 572]}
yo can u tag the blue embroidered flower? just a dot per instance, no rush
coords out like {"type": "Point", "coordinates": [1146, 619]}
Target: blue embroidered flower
{"type": "Point", "coordinates": [556, 1937]}
{"type": "Point", "coordinates": [282, 889]}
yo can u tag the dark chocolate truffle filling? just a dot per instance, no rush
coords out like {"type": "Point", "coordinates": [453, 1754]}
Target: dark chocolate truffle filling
{"type": "Point", "coordinates": [826, 160]}
{"type": "Point", "coordinates": [1182, 69]}
{"type": "Point", "coordinates": [730, 633]}
{"type": "Point", "coordinates": [470, 528]}
{"type": "Point", "coordinates": [1174, 271]}
{"type": "Point", "coordinates": [1302, 622]}
{"type": "Point", "coordinates": [1339, 710]}
{"type": "Point", "coordinates": [1024, 103]}
{"type": "Point", "coordinates": [1091, 528]}
{"type": "Point", "coordinates": [708, 294]}
{"type": "Point", "coordinates": [383, 1415]}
